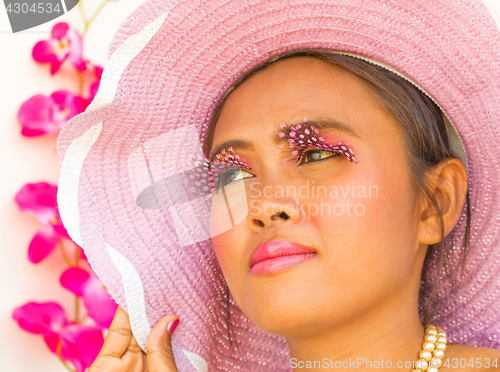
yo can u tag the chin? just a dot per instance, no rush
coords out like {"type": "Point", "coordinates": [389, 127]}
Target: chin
{"type": "Point", "coordinates": [286, 306]}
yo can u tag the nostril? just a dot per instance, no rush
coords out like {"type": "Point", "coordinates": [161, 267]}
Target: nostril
{"type": "Point", "coordinates": [283, 215]}
{"type": "Point", "coordinates": [258, 222]}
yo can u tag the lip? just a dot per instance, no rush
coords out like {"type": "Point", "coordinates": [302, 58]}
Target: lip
{"type": "Point", "coordinates": [276, 255]}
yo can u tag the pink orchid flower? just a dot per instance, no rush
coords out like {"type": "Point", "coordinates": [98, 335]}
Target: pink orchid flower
{"type": "Point", "coordinates": [40, 200]}
{"type": "Point", "coordinates": [100, 306]}
{"type": "Point", "coordinates": [41, 115]}
{"type": "Point", "coordinates": [65, 43]}
{"type": "Point", "coordinates": [76, 343]}
{"type": "Point", "coordinates": [95, 86]}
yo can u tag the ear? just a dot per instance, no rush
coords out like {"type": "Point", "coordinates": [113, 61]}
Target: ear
{"type": "Point", "coordinates": [447, 182]}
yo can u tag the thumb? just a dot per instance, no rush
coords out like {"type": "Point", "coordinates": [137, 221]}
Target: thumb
{"type": "Point", "coordinates": [160, 357]}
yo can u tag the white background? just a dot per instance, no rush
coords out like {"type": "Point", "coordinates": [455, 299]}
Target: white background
{"type": "Point", "coordinates": [24, 160]}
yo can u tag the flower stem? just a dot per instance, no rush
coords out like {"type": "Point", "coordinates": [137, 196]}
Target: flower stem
{"type": "Point", "coordinates": [80, 81]}
{"type": "Point", "coordinates": [66, 365]}
{"type": "Point", "coordinates": [84, 318]}
{"type": "Point", "coordinates": [91, 19]}
{"type": "Point", "coordinates": [77, 309]}
{"type": "Point", "coordinates": [82, 11]}
{"type": "Point", "coordinates": [63, 252]}
{"type": "Point", "coordinates": [58, 353]}
{"type": "Point", "coordinates": [77, 257]}
{"type": "Point", "coordinates": [77, 300]}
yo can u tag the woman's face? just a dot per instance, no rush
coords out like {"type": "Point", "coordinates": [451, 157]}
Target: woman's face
{"type": "Point", "coordinates": [353, 208]}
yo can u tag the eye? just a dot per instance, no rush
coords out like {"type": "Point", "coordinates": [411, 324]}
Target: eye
{"type": "Point", "coordinates": [231, 175]}
{"type": "Point", "coordinates": [315, 155]}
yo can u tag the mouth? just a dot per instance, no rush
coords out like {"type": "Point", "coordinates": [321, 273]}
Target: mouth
{"type": "Point", "coordinates": [277, 255]}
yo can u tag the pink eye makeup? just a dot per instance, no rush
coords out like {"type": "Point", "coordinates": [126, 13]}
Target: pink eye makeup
{"type": "Point", "coordinates": [226, 173]}
{"type": "Point", "coordinates": [304, 136]}
{"type": "Point", "coordinates": [207, 175]}
{"type": "Point", "coordinates": [228, 156]}
{"type": "Point", "coordinates": [224, 166]}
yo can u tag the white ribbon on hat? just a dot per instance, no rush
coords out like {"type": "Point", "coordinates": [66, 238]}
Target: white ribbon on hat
{"type": "Point", "coordinates": [69, 180]}
{"type": "Point", "coordinates": [119, 61]}
{"type": "Point", "coordinates": [494, 9]}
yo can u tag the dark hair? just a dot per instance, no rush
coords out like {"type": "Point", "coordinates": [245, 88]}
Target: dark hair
{"type": "Point", "coordinates": [422, 127]}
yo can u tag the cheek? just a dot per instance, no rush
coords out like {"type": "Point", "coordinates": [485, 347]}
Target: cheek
{"type": "Point", "coordinates": [230, 255]}
{"type": "Point", "coordinates": [222, 246]}
{"type": "Point", "coordinates": [369, 230]}
{"type": "Point", "coordinates": [228, 212]}
{"type": "Point", "coordinates": [232, 258]}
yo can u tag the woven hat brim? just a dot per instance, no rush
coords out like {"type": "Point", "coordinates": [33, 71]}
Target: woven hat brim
{"type": "Point", "coordinates": [172, 62]}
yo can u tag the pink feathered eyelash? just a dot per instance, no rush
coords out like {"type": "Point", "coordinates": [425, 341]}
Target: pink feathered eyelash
{"type": "Point", "coordinates": [204, 173]}
{"type": "Point", "coordinates": [304, 136]}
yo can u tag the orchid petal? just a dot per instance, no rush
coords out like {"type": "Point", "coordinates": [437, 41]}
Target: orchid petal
{"type": "Point", "coordinates": [60, 229]}
{"type": "Point", "coordinates": [42, 244]}
{"type": "Point", "coordinates": [60, 30]}
{"type": "Point", "coordinates": [95, 86]}
{"type": "Point", "coordinates": [39, 199]}
{"type": "Point", "coordinates": [56, 65]}
{"type": "Point", "coordinates": [41, 115]}
{"type": "Point", "coordinates": [74, 279]}
{"type": "Point", "coordinates": [40, 318]}
{"type": "Point", "coordinates": [35, 116]}
{"type": "Point", "coordinates": [66, 106]}
{"type": "Point", "coordinates": [77, 106]}
{"type": "Point", "coordinates": [81, 104]}
{"type": "Point", "coordinates": [98, 72]}
{"type": "Point", "coordinates": [64, 43]}
{"type": "Point", "coordinates": [80, 345]}
{"type": "Point", "coordinates": [82, 253]}
{"type": "Point", "coordinates": [52, 340]}
{"type": "Point", "coordinates": [100, 306]}
{"type": "Point", "coordinates": [93, 90]}
{"type": "Point", "coordinates": [43, 51]}
{"type": "Point", "coordinates": [62, 97]}
{"type": "Point", "coordinates": [50, 51]}
{"type": "Point", "coordinates": [76, 50]}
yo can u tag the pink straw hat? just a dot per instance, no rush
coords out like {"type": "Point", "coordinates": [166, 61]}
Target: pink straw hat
{"type": "Point", "coordinates": [132, 196]}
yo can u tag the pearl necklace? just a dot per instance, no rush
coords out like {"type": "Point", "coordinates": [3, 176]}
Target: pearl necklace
{"type": "Point", "coordinates": [432, 354]}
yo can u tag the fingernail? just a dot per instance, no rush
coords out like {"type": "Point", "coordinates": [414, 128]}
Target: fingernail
{"type": "Point", "coordinates": [172, 325]}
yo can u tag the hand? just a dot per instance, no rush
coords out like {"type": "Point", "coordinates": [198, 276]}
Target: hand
{"type": "Point", "coordinates": [122, 353]}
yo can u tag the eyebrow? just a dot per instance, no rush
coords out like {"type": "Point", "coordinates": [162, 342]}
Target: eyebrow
{"type": "Point", "coordinates": [320, 123]}
{"type": "Point", "coordinates": [236, 144]}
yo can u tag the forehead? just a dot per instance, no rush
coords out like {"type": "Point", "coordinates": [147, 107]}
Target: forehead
{"type": "Point", "coordinates": [291, 89]}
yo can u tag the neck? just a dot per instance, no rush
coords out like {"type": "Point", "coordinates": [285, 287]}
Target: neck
{"type": "Point", "coordinates": [373, 341]}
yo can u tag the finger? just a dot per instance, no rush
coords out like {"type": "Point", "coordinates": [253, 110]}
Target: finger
{"type": "Point", "coordinates": [136, 362]}
{"type": "Point", "coordinates": [160, 357]}
{"type": "Point", "coordinates": [133, 346]}
{"type": "Point", "coordinates": [135, 356]}
{"type": "Point", "coordinates": [118, 337]}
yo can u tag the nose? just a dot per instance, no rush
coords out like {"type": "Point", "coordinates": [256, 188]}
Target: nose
{"type": "Point", "coordinates": [269, 210]}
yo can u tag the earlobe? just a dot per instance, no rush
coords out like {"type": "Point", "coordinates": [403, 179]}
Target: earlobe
{"type": "Point", "coordinates": [443, 198]}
